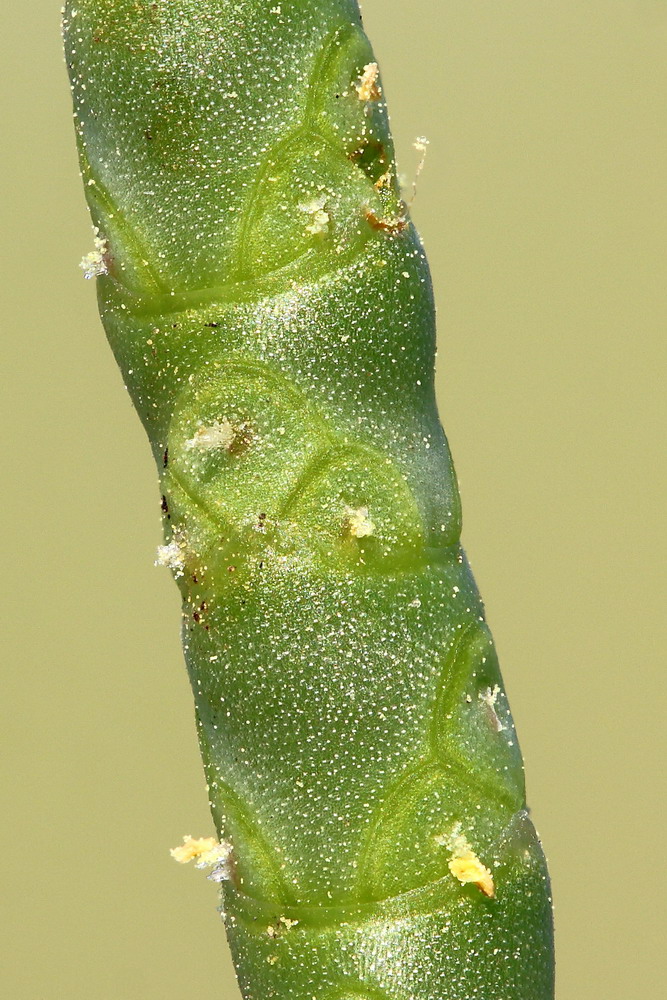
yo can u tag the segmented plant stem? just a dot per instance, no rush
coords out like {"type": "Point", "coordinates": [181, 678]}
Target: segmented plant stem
{"type": "Point", "coordinates": [269, 304]}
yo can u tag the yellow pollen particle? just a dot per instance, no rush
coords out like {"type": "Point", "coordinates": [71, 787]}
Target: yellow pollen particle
{"type": "Point", "coordinates": [464, 863]}
{"type": "Point", "coordinates": [206, 852]}
{"type": "Point", "coordinates": [367, 88]}
{"type": "Point", "coordinates": [192, 848]}
{"type": "Point", "coordinates": [357, 522]}
{"type": "Point", "coordinates": [468, 868]}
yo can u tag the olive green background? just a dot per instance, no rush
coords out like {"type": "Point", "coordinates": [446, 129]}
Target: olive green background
{"type": "Point", "coordinates": [543, 210]}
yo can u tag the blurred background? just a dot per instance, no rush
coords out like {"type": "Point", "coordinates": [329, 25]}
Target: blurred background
{"type": "Point", "coordinates": [543, 210]}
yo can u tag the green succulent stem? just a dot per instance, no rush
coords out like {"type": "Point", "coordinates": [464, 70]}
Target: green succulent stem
{"type": "Point", "coordinates": [269, 304]}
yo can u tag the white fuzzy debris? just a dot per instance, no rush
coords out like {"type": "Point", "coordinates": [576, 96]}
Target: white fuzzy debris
{"type": "Point", "coordinates": [94, 263]}
{"type": "Point", "coordinates": [367, 88]}
{"type": "Point", "coordinates": [172, 556]}
{"type": "Point", "coordinates": [319, 217]}
{"type": "Point", "coordinates": [221, 873]}
{"type": "Point", "coordinates": [454, 841]}
{"type": "Point", "coordinates": [421, 144]}
{"type": "Point", "coordinates": [489, 697]}
{"type": "Point", "coordinates": [219, 858]}
{"type": "Point", "coordinates": [358, 523]}
{"type": "Point", "coordinates": [208, 438]}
